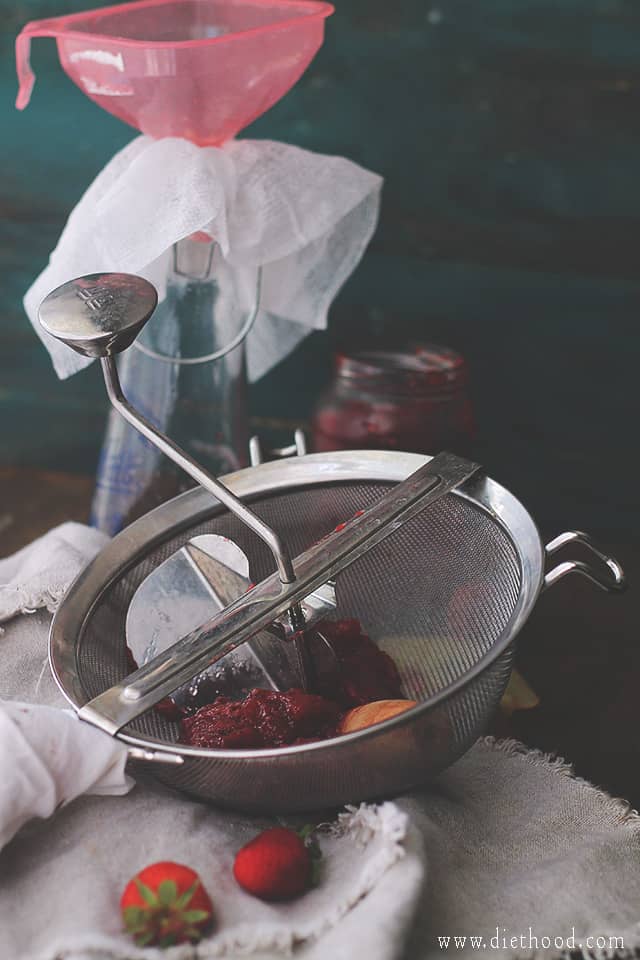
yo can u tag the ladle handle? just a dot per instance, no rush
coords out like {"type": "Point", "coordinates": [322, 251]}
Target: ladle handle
{"type": "Point", "coordinates": [238, 622]}
{"type": "Point", "coordinates": [195, 471]}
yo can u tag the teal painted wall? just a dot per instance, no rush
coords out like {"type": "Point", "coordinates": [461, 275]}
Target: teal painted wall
{"type": "Point", "coordinates": [508, 132]}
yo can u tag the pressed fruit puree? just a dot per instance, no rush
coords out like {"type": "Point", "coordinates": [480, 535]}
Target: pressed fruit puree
{"type": "Point", "coordinates": [264, 718]}
{"type": "Point", "coordinates": [267, 718]}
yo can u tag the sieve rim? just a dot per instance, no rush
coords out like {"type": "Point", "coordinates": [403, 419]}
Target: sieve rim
{"type": "Point", "coordinates": [196, 505]}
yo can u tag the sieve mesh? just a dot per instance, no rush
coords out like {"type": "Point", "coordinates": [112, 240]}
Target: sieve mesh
{"type": "Point", "coordinates": [435, 595]}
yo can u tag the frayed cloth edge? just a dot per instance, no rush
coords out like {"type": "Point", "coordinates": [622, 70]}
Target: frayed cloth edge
{"type": "Point", "coordinates": [620, 809]}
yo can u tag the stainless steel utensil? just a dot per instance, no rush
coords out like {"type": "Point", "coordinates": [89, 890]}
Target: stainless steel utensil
{"type": "Point", "coordinates": [199, 580]}
{"type": "Point", "coordinates": [441, 566]}
{"type": "Point", "coordinates": [477, 567]}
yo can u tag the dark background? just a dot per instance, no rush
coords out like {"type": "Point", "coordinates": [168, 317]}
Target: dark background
{"type": "Point", "coordinates": [508, 132]}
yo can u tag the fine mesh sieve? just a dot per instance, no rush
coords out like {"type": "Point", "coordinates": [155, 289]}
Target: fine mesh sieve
{"type": "Point", "coordinates": [444, 595]}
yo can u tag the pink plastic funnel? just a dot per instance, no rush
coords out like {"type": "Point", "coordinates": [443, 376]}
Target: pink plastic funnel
{"type": "Point", "coordinates": [199, 69]}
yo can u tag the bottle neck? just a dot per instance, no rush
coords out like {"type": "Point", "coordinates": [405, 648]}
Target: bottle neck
{"type": "Point", "coordinates": [209, 307]}
{"type": "Point", "coordinates": [193, 256]}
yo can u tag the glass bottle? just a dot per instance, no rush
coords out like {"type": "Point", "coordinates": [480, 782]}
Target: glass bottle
{"type": "Point", "coordinates": [186, 373]}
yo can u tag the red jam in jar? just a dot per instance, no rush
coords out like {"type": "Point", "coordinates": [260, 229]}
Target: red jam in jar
{"type": "Point", "coordinates": [414, 400]}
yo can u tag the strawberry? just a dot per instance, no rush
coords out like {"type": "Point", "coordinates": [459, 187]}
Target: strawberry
{"type": "Point", "coordinates": [276, 865]}
{"type": "Point", "coordinates": [165, 904]}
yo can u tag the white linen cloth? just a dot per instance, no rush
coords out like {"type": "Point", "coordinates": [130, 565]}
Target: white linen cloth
{"type": "Point", "coordinates": [505, 844]}
{"type": "Point", "coordinates": [39, 574]}
{"type": "Point", "coordinates": [48, 758]}
{"type": "Point", "coordinates": [305, 218]}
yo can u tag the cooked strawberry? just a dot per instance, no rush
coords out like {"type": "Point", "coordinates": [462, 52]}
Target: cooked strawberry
{"type": "Point", "coordinates": [166, 904]}
{"type": "Point", "coordinates": [264, 718]}
{"type": "Point", "coordinates": [275, 865]}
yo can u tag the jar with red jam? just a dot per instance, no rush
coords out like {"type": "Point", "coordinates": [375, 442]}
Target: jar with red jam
{"type": "Point", "coordinates": [413, 399]}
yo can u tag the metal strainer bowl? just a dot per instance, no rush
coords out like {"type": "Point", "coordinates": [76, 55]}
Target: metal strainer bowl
{"type": "Point", "coordinates": [445, 594]}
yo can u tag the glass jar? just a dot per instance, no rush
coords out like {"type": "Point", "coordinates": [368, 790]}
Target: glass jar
{"type": "Point", "coordinates": [412, 399]}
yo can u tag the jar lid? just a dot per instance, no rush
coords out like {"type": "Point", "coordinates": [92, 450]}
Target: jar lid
{"type": "Point", "coordinates": [416, 367]}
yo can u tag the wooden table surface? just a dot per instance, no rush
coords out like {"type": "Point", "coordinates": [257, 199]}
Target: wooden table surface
{"type": "Point", "coordinates": [33, 501]}
{"type": "Point", "coordinates": [579, 650]}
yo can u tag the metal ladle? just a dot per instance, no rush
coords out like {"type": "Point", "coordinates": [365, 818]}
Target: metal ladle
{"type": "Point", "coordinates": [99, 316]}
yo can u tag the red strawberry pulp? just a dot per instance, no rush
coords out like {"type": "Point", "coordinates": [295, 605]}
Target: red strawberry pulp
{"type": "Point", "coordinates": [266, 718]}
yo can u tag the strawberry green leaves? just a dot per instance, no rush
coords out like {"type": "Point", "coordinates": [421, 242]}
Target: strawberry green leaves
{"type": "Point", "coordinates": [166, 904]}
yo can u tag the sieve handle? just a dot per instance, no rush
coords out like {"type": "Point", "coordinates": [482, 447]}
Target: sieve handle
{"type": "Point", "coordinates": [271, 598]}
{"type": "Point", "coordinates": [612, 582]}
